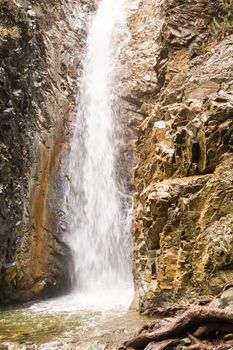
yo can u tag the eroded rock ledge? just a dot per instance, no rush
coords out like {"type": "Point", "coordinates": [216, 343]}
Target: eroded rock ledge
{"type": "Point", "coordinates": [179, 99]}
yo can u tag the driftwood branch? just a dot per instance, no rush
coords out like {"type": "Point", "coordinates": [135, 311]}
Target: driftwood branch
{"type": "Point", "coordinates": [191, 319]}
{"type": "Point", "coordinates": [162, 345]}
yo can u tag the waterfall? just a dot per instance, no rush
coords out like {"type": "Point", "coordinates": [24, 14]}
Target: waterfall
{"type": "Point", "coordinates": [99, 207]}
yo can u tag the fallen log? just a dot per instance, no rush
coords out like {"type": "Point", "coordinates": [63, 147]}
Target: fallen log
{"type": "Point", "coordinates": [159, 311]}
{"type": "Point", "coordinates": [152, 326]}
{"type": "Point", "coordinates": [162, 345]}
{"type": "Point", "coordinates": [192, 318]}
{"type": "Point", "coordinates": [197, 347]}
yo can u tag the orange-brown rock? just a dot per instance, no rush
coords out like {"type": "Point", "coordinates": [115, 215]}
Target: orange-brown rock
{"type": "Point", "coordinates": [178, 93]}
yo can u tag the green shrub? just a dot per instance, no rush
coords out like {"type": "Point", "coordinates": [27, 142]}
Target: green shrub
{"type": "Point", "coordinates": [222, 25]}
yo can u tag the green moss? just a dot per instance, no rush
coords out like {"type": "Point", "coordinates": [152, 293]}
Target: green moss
{"type": "Point", "coordinates": [222, 25]}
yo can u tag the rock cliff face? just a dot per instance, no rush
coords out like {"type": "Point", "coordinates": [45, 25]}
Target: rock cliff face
{"type": "Point", "coordinates": [40, 51]}
{"type": "Point", "coordinates": [178, 97]}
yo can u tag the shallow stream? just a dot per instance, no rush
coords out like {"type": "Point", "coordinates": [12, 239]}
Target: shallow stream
{"type": "Point", "coordinates": [99, 208]}
{"type": "Point", "coordinates": [61, 323]}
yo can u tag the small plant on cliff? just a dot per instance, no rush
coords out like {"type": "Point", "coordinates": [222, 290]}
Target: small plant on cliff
{"type": "Point", "coordinates": [13, 32]}
{"type": "Point", "coordinates": [222, 25]}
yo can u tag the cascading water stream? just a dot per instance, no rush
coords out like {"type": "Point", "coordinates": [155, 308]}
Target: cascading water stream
{"type": "Point", "coordinates": [99, 207]}
{"type": "Point", "coordinates": [100, 217]}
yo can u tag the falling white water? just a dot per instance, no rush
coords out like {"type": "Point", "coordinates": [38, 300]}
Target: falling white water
{"type": "Point", "coordinates": [100, 212]}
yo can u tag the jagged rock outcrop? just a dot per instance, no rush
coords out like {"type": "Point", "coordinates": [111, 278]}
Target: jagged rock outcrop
{"type": "Point", "coordinates": [179, 100]}
{"type": "Point", "coordinates": [40, 51]}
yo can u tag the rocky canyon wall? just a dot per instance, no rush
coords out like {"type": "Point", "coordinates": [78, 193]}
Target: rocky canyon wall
{"type": "Point", "coordinates": [178, 98]}
{"type": "Point", "coordinates": [41, 45]}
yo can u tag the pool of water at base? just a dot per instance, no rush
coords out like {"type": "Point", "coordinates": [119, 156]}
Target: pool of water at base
{"type": "Point", "coordinates": [58, 324]}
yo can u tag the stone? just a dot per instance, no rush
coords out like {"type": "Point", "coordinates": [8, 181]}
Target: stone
{"type": "Point", "coordinates": [38, 87]}
{"type": "Point", "coordinates": [183, 173]}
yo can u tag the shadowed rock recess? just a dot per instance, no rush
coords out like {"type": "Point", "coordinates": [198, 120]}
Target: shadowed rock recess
{"type": "Point", "coordinates": [39, 41]}
{"type": "Point", "coordinates": [179, 99]}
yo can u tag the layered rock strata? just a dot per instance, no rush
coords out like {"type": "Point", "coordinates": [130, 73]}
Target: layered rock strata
{"type": "Point", "coordinates": [41, 45]}
{"type": "Point", "coordinates": [178, 97]}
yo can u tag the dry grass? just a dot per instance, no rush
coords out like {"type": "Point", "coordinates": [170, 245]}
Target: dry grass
{"type": "Point", "coordinates": [12, 32]}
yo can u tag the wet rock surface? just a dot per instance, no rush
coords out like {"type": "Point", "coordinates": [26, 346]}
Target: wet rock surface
{"type": "Point", "coordinates": [41, 47]}
{"type": "Point", "coordinates": [177, 94]}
